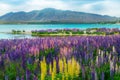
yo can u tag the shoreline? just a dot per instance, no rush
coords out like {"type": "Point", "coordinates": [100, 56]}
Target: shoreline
{"type": "Point", "coordinates": [26, 33]}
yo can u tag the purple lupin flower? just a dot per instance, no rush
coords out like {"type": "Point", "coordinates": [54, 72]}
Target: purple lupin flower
{"type": "Point", "coordinates": [6, 77]}
{"type": "Point", "coordinates": [27, 75]}
{"type": "Point", "coordinates": [35, 78]}
{"type": "Point", "coordinates": [22, 78]}
{"type": "Point", "coordinates": [83, 72]}
{"type": "Point", "coordinates": [92, 75]}
{"type": "Point", "coordinates": [17, 78]}
{"type": "Point", "coordinates": [102, 76]}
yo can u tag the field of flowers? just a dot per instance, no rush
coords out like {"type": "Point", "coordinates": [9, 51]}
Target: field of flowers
{"type": "Point", "coordinates": [61, 58]}
{"type": "Point", "coordinates": [76, 32]}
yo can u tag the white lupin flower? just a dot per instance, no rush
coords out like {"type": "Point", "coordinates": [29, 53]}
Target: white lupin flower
{"type": "Point", "coordinates": [114, 49]}
{"type": "Point", "coordinates": [111, 68]}
{"type": "Point", "coordinates": [96, 78]}
{"type": "Point", "coordinates": [102, 56]}
{"type": "Point", "coordinates": [97, 61]}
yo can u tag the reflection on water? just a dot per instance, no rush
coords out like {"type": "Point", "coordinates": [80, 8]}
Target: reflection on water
{"type": "Point", "coordinates": [14, 36]}
{"type": "Point", "coordinates": [28, 28]}
{"type": "Point", "coordinates": [9, 28]}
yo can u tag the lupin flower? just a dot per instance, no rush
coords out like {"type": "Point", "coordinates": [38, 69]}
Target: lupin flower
{"type": "Point", "coordinates": [114, 49]}
{"type": "Point", "coordinates": [28, 73]}
{"type": "Point", "coordinates": [102, 76]}
{"type": "Point", "coordinates": [111, 68]}
{"type": "Point", "coordinates": [50, 68]}
{"type": "Point", "coordinates": [43, 67]}
{"type": "Point", "coordinates": [17, 78]}
{"type": "Point", "coordinates": [97, 61]}
{"type": "Point", "coordinates": [116, 68]}
{"type": "Point", "coordinates": [54, 70]}
{"type": "Point", "coordinates": [92, 75]}
{"type": "Point", "coordinates": [83, 71]}
{"type": "Point", "coordinates": [19, 51]}
{"type": "Point", "coordinates": [6, 77]}
{"type": "Point", "coordinates": [61, 65]}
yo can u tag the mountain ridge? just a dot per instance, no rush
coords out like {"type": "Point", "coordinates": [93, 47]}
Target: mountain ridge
{"type": "Point", "coordinates": [49, 15]}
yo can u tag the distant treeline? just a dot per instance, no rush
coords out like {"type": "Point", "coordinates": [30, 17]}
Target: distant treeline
{"type": "Point", "coordinates": [55, 22]}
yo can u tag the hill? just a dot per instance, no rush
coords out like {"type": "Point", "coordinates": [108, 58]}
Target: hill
{"type": "Point", "coordinates": [50, 15]}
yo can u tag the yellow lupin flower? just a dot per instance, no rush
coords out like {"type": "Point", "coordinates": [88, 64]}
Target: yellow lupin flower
{"type": "Point", "coordinates": [77, 70]}
{"type": "Point", "coordinates": [63, 77]}
{"type": "Point", "coordinates": [69, 67]}
{"type": "Point", "coordinates": [54, 66]}
{"type": "Point", "coordinates": [43, 69]}
{"type": "Point", "coordinates": [50, 68]}
{"type": "Point", "coordinates": [54, 70]}
{"type": "Point", "coordinates": [53, 76]}
{"type": "Point", "coordinates": [73, 68]}
{"type": "Point", "coordinates": [65, 68]}
{"type": "Point", "coordinates": [61, 65]}
{"type": "Point", "coordinates": [66, 74]}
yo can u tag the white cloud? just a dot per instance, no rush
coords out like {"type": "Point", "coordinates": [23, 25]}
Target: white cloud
{"type": "Point", "coordinates": [104, 7]}
{"type": "Point", "coordinates": [4, 8]}
{"type": "Point", "coordinates": [33, 5]}
{"type": "Point", "coordinates": [40, 4]}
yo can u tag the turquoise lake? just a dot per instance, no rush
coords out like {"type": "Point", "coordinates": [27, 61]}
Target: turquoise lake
{"type": "Point", "coordinates": [9, 28]}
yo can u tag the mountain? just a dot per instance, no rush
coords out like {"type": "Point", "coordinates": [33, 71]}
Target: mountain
{"type": "Point", "coordinates": [50, 15]}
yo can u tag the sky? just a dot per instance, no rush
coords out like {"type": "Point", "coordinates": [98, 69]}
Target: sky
{"type": "Point", "coordinates": [103, 7]}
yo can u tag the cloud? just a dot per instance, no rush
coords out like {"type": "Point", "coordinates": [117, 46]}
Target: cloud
{"type": "Point", "coordinates": [13, 2]}
{"type": "Point", "coordinates": [104, 7]}
{"type": "Point", "coordinates": [4, 8]}
{"type": "Point", "coordinates": [40, 4]}
{"type": "Point", "coordinates": [32, 5]}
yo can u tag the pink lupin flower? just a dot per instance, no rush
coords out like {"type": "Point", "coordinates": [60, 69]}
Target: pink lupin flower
{"type": "Point", "coordinates": [34, 51]}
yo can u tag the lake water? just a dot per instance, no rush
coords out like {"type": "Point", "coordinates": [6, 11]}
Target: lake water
{"type": "Point", "coordinates": [9, 28]}
{"type": "Point", "coordinates": [11, 36]}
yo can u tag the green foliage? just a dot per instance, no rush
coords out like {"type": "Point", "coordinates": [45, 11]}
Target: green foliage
{"type": "Point", "coordinates": [117, 76]}
{"type": "Point", "coordinates": [32, 67]}
{"type": "Point", "coordinates": [11, 71]}
{"type": "Point", "coordinates": [17, 31]}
